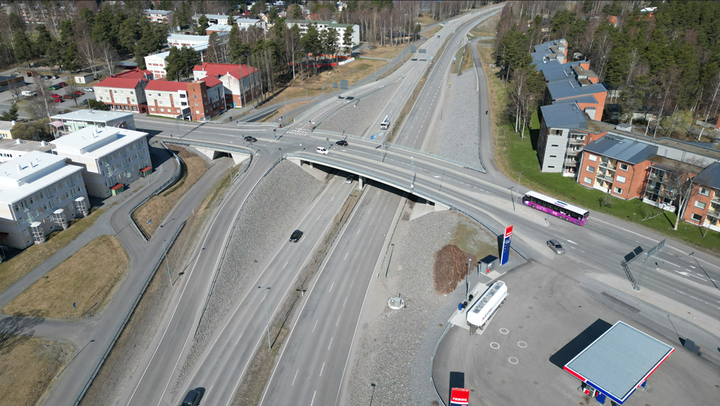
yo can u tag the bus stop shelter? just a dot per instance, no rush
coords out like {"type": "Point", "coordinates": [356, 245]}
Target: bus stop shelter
{"type": "Point", "coordinates": [617, 363]}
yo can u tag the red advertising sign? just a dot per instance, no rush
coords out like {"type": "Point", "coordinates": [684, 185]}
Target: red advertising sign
{"type": "Point", "coordinates": [508, 231]}
{"type": "Point", "coordinates": [459, 397]}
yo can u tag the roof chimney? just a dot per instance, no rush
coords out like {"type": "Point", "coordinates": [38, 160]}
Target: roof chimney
{"type": "Point", "coordinates": [19, 167]}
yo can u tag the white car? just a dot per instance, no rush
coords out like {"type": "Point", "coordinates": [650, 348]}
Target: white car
{"type": "Point", "coordinates": [322, 150]}
{"type": "Point", "coordinates": [88, 89]}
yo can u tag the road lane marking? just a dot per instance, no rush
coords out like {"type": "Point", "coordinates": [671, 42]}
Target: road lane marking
{"type": "Point", "coordinates": [346, 254]}
{"type": "Point", "coordinates": [333, 197]}
{"type": "Point", "coordinates": [321, 368]}
{"type": "Point", "coordinates": [369, 210]}
{"type": "Point", "coordinates": [238, 340]}
{"type": "Point", "coordinates": [337, 322]}
{"type": "Point", "coordinates": [293, 382]}
{"type": "Point", "coordinates": [572, 242]}
{"type": "Point", "coordinates": [319, 217]}
{"type": "Point", "coordinates": [330, 344]}
{"type": "Point", "coordinates": [313, 399]}
{"type": "Point", "coordinates": [331, 286]}
{"type": "Point", "coordinates": [345, 301]}
{"type": "Point", "coordinates": [313, 330]}
{"type": "Point", "coordinates": [285, 264]}
{"type": "Point", "coordinates": [691, 266]}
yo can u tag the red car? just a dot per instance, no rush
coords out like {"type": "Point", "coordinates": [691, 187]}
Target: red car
{"type": "Point", "coordinates": [55, 96]}
{"type": "Point", "coordinates": [58, 100]}
{"type": "Point", "coordinates": [62, 84]}
{"type": "Point", "coordinates": [79, 93]}
{"type": "Point", "coordinates": [68, 96]}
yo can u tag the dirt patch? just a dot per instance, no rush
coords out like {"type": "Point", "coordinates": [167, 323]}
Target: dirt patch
{"type": "Point", "coordinates": [487, 27]}
{"type": "Point", "coordinates": [474, 240]}
{"type": "Point", "coordinates": [385, 51]}
{"type": "Point", "coordinates": [29, 366]}
{"type": "Point", "coordinates": [498, 100]}
{"type": "Point", "coordinates": [431, 32]}
{"type": "Point", "coordinates": [467, 62]}
{"type": "Point", "coordinates": [451, 266]}
{"type": "Point", "coordinates": [86, 280]}
{"type": "Point", "coordinates": [122, 361]}
{"type": "Point", "coordinates": [425, 19]}
{"type": "Point", "coordinates": [313, 86]}
{"type": "Point", "coordinates": [284, 110]}
{"type": "Point", "coordinates": [30, 258]}
{"type": "Point", "coordinates": [158, 207]}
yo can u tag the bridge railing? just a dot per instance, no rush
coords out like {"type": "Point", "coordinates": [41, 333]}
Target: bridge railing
{"type": "Point", "coordinates": [403, 148]}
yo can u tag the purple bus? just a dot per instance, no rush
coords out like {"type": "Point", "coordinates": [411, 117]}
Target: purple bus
{"type": "Point", "coordinates": [556, 208]}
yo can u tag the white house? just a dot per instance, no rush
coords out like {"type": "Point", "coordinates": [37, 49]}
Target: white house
{"type": "Point", "coordinates": [324, 25]}
{"type": "Point", "coordinates": [110, 157]}
{"type": "Point", "coordinates": [79, 119]}
{"type": "Point", "coordinates": [39, 193]}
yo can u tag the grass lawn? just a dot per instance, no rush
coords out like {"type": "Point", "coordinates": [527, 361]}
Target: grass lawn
{"type": "Point", "coordinates": [431, 32]}
{"type": "Point", "coordinates": [88, 278]}
{"type": "Point", "coordinates": [486, 28]}
{"type": "Point", "coordinates": [26, 369]}
{"type": "Point", "coordinates": [386, 51]}
{"type": "Point", "coordinates": [158, 207]}
{"type": "Point", "coordinates": [425, 19]}
{"type": "Point", "coordinates": [284, 110]}
{"type": "Point", "coordinates": [26, 261]}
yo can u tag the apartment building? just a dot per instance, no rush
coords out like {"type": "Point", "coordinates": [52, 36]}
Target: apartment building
{"type": "Point", "coordinates": [159, 16]}
{"type": "Point", "coordinates": [219, 19]}
{"type": "Point", "coordinates": [703, 207]}
{"type": "Point", "coordinates": [550, 53]}
{"type": "Point", "coordinates": [218, 29]}
{"type": "Point", "coordinates": [237, 94]}
{"type": "Point", "coordinates": [180, 40]}
{"type": "Point", "coordinates": [11, 149]}
{"type": "Point", "coordinates": [110, 157]}
{"type": "Point", "coordinates": [124, 91]}
{"type": "Point", "coordinates": [39, 194]}
{"type": "Point", "coordinates": [77, 120]}
{"type": "Point", "coordinates": [663, 179]}
{"type": "Point", "coordinates": [6, 129]}
{"type": "Point", "coordinates": [198, 100]}
{"type": "Point", "coordinates": [562, 138]}
{"type": "Point", "coordinates": [325, 25]}
{"type": "Point", "coordinates": [616, 165]}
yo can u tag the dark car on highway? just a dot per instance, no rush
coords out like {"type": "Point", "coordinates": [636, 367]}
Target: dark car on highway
{"type": "Point", "coordinates": [192, 398]}
{"type": "Point", "coordinates": [296, 235]}
{"type": "Point", "coordinates": [342, 143]}
{"type": "Point", "coordinates": [250, 139]}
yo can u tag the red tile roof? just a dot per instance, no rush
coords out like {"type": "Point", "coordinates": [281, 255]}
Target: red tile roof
{"type": "Point", "coordinates": [121, 83]}
{"type": "Point", "coordinates": [211, 81]}
{"type": "Point", "coordinates": [222, 69]}
{"type": "Point", "coordinates": [166, 86]}
{"type": "Point", "coordinates": [135, 73]}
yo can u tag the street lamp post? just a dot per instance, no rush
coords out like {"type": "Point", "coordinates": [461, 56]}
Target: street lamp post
{"type": "Point", "coordinates": [518, 185]}
{"type": "Point", "coordinates": [267, 321]}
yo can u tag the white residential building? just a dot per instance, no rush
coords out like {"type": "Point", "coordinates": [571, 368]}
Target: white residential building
{"type": "Point", "coordinates": [77, 120]}
{"type": "Point", "coordinates": [39, 193]}
{"type": "Point", "coordinates": [219, 19]}
{"type": "Point", "coordinates": [11, 149]}
{"type": "Point", "coordinates": [324, 25]}
{"type": "Point", "coordinates": [111, 157]}
{"type": "Point", "coordinates": [159, 16]}
{"type": "Point", "coordinates": [180, 40]}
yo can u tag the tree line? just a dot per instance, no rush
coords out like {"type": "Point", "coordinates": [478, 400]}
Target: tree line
{"type": "Point", "coordinates": [666, 62]}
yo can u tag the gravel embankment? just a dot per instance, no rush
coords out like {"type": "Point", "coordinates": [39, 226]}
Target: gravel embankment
{"type": "Point", "coordinates": [360, 120]}
{"type": "Point", "coordinates": [395, 348]}
{"type": "Point", "coordinates": [267, 218]}
{"type": "Point", "coordinates": [458, 128]}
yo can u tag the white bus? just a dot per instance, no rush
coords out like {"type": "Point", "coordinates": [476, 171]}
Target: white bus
{"type": "Point", "coordinates": [385, 123]}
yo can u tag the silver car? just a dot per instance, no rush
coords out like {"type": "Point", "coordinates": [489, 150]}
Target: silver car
{"type": "Point", "coordinates": [555, 246]}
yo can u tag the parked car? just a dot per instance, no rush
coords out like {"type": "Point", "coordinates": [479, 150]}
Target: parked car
{"type": "Point", "coordinates": [250, 139]}
{"type": "Point", "coordinates": [79, 93]}
{"type": "Point", "coordinates": [54, 87]}
{"type": "Point", "coordinates": [55, 96]}
{"type": "Point", "coordinates": [28, 93]}
{"type": "Point", "coordinates": [68, 96]}
{"type": "Point", "coordinates": [556, 247]}
{"type": "Point", "coordinates": [296, 235]}
{"type": "Point", "coordinates": [62, 84]}
{"type": "Point", "coordinates": [88, 89]}
{"type": "Point", "coordinates": [349, 179]}
{"type": "Point", "coordinates": [342, 143]}
{"type": "Point", "coordinates": [58, 100]}
{"type": "Point", "coordinates": [321, 150]}
{"type": "Point", "coordinates": [47, 77]}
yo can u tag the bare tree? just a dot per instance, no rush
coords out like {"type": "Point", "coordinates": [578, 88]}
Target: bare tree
{"type": "Point", "coordinates": [40, 106]}
{"type": "Point", "coordinates": [88, 50]}
{"type": "Point", "coordinates": [714, 89]}
{"type": "Point", "coordinates": [109, 56]}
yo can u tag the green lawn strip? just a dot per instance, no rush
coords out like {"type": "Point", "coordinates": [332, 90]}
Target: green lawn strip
{"type": "Point", "coordinates": [523, 158]}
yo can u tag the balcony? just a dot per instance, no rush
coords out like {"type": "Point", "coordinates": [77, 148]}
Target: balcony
{"type": "Point", "coordinates": [573, 152]}
{"type": "Point", "coordinates": [571, 162]}
{"type": "Point", "coordinates": [576, 141]}
{"type": "Point", "coordinates": [714, 215]}
{"type": "Point", "coordinates": [607, 164]}
{"type": "Point", "coordinates": [715, 200]}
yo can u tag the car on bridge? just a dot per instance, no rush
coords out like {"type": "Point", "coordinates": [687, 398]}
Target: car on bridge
{"type": "Point", "coordinates": [342, 143]}
{"type": "Point", "coordinates": [322, 150]}
{"type": "Point", "coordinates": [556, 247]}
{"type": "Point", "coordinates": [296, 236]}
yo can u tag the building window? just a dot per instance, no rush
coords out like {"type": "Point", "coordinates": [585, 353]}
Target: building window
{"type": "Point", "coordinates": [698, 204]}
{"type": "Point", "coordinates": [553, 156]}
{"type": "Point", "coordinates": [623, 167]}
{"type": "Point", "coordinates": [163, 110]}
{"type": "Point", "coordinates": [620, 179]}
{"type": "Point", "coordinates": [696, 217]}
{"type": "Point", "coordinates": [591, 169]}
{"type": "Point", "coordinates": [704, 192]}
{"type": "Point", "coordinates": [592, 157]}
{"type": "Point", "coordinates": [588, 180]}
{"type": "Point", "coordinates": [617, 190]}
{"type": "Point", "coordinates": [554, 145]}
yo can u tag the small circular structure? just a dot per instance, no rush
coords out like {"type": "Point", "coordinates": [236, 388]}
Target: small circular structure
{"type": "Point", "coordinates": [504, 330]}
{"type": "Point", "coordinates": [513, 360]}
{"type": "Point", "coordinates": [494, 345]}
{"type": "Point", "coordinates": [522, 344]}
{"type": "Point", "coordinates": [396, 303]}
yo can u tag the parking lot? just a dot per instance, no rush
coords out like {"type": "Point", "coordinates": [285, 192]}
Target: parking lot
{"type": "Point", "coordinates": [6, 97]}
